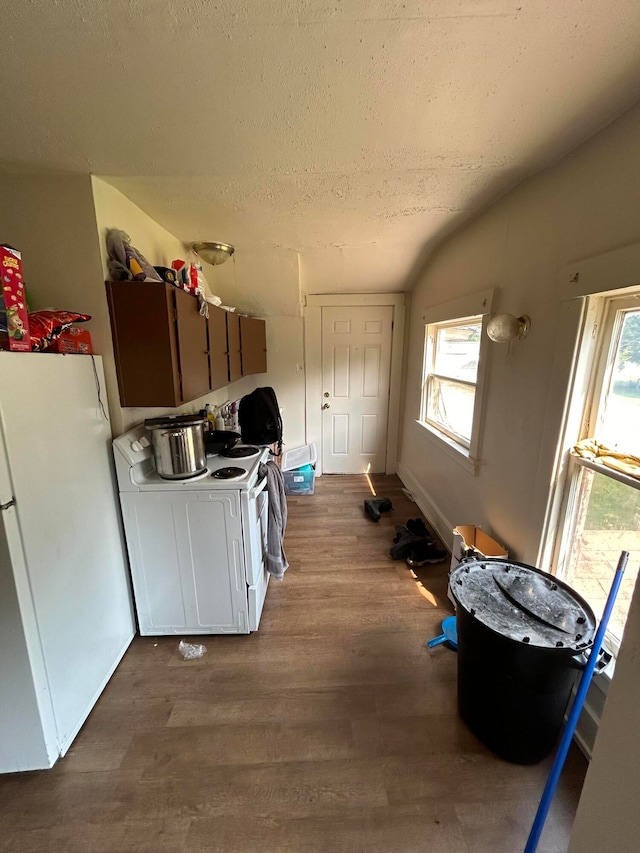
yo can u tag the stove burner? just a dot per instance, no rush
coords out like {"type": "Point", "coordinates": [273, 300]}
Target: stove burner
{"type": "Point", "coordinates": [241, 451]}
{"type": "Point", "coordinates": [198, 475]}
{"type": "Point", "coordinates": [229, 473]}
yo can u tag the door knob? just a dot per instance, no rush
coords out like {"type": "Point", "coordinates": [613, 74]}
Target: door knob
{"type": "Point", "coordinates": [326, 406]}
{"type": "Point", "coordinates": [326, 394]}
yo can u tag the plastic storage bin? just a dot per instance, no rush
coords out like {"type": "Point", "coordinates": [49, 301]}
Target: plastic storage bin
{"type": "Point", "coordinates": [300, 481]}
{"type": "Point", "coordinates": [520, 634]}
{"type": "Point", "coordinates": [298, 470]}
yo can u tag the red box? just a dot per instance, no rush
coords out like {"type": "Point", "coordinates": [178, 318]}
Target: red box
{"type": "Point", "coordinates": [73, 340]}
{"type": "Point", "coordinates": [14, 323]}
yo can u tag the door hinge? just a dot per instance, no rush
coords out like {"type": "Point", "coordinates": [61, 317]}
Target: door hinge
{"type": "Point", "coordinates": [12, 502]}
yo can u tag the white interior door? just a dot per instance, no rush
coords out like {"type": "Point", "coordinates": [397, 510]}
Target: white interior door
{"type": "Point", "coordinates": [356, 361]}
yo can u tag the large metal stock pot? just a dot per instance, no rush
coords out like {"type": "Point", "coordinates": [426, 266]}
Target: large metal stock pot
{"type": "Point", "coordinates": [178, 446]}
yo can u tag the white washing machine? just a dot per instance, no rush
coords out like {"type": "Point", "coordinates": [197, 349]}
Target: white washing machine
{"type": "Point", "coordinates": [197, 546]}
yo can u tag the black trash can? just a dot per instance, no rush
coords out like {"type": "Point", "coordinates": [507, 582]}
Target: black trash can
{"type": "Point", "coordinates": [521, 633]}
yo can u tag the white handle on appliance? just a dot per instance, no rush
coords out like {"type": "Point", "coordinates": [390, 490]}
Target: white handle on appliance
{"type": "Point", "coordinates": [259, 487]}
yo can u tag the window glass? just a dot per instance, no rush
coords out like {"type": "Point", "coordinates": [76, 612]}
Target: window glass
{"type": "Point", "coordinates": [607, 521]}
{"type": "Point", "coordinates": [457, 351]}
{"type": "Point", "coordinates": [620, 419]}
{"type": "Point", "coordinates": [602, 510]}
{"type": "Point", "coordinates": [452, 354]}
{"type": "Point", "coordinates": [450, 405]}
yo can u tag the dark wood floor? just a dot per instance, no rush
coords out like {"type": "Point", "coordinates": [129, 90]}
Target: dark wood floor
{"type": "Point", "coordinates": [333, 728]}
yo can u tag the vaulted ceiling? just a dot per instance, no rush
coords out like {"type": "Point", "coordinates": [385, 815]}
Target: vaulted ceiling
{"type": "Point", "coordinates": [356, 132]}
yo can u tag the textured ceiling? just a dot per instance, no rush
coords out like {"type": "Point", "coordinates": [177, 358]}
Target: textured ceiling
{"type": "Point", "coordinates": [345, 131]}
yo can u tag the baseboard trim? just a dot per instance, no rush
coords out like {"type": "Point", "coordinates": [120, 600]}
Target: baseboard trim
{"type": "Point", "coordinates": [588, 722]}
{"type": "Point", "coordinates": [429, 509]}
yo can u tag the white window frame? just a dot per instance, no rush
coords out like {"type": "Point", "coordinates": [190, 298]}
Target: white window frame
{"type": "Point", "coordinates": [613, 273]}
{"type": "Point", "coordinates": [429, 373]}
{"type": "Point", "coordinates": [602, 328]}
{"type": "Point", "coordinates": [460, 310]}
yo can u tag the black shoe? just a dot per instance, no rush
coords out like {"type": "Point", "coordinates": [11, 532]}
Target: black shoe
{"type": "Point", "coordinates": [419, 528]}
{"type": "Point", "coordinates": [400, 532]}
{"type": "Point", "coordinates": [416, 528]}
{"type": "Point", "coordinates": [373, 508]}
{"type": "Point", "coordinates": [425, 553]}
{"type": "Point", "coordinates": [404, 545]}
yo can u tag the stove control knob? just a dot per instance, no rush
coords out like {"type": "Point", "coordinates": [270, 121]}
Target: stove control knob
{"type": "Point", "coordinates": [136, 446]}
{"type": "Point", "coordinates": [144, 441]}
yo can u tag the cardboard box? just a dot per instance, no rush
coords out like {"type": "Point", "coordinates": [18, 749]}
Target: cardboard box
{"type": "Point", "coordinates": [14, 323]}
{"type": "Point", "coordinates": [471, 541]}
{"type": "Point", "coordinates": [73, 340]}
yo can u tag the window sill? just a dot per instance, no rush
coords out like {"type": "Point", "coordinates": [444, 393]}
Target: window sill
{"type": "Point", "coordinates": [599, 468]}
{"type": "Point", "coordinates": [455, 451]}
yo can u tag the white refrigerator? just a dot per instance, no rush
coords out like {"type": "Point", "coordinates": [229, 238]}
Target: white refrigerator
{"type": "Point", "coordinates": [66, 615]}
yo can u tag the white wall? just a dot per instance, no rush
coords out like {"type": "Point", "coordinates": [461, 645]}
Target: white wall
{"type": "Point", "coordinates": [585, 205]}
{"type": "Point", "coordinates": [59, 222]}
{"type": "Point", "coordinates": [113, 210]}
{"type": "Point", "coordinates": [607, 818]}
{"type": "Point", "coordinates": [267, 284]}
{"type": "Point", "coordinates": [50, 219]}
{"type": "Point", "coordinates": [263, 284]}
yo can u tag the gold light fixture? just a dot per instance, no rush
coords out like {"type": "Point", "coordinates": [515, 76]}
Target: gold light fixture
{"type": "Point", "coordinates": [213, 253]}
{"type": "Point", "coordinates": [504, 328]}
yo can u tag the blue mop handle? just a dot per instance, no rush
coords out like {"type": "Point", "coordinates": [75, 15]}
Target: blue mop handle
{"type": "Point", "coordinates": [574, 714]}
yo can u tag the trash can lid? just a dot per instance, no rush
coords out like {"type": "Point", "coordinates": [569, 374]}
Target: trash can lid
{"type": "Point", "coordinates": [524, 604]}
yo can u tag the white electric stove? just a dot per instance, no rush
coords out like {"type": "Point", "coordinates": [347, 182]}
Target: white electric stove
{"type": "Point", "coordinates": [196, 546]}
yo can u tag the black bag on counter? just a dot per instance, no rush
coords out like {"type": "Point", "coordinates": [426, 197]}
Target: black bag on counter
{"type": "Point", "coordinates": [260, 420]}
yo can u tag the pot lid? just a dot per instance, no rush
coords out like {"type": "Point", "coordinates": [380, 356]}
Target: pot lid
{"type": "Point", "coordinates": [173, 421]}
{"type": "Point", "coordinates": [524, 604]}
{"type": "Point", "coordinates": [240, 451]}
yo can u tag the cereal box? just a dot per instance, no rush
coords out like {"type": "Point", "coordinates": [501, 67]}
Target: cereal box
{"type": "Point", "coordinates": [73, 340]}
{"type": "Point", "coordinates": [14, 323]}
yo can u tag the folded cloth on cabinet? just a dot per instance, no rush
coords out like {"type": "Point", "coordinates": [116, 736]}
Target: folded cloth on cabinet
{"type": "Point", "coordinates": [277, 563]}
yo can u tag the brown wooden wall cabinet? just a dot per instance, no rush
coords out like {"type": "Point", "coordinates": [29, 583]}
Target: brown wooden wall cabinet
{"type": "Point", "coordinates": [253, 345]}
{"type": "Point", "coordinates": [167, 354]}
{"type": "Point", "coordinates": [218, 349]}
{"type": "Point", "coordinates": [233, 337]}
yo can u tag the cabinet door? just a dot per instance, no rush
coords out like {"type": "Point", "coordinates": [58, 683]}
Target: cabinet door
{"type": "Point", "coordinates": [233, 336]}
{"type": "Point", "coordinates": [253, 345]}
{"type": "Point", "coordinates": [186, 556]}
{"type": "Point", "coordinates": [218, 347]}
{"type": "Point", "coordinates": [192, 346]}
{"type": "Point", "coordinates": [144, 342]}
